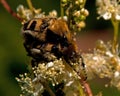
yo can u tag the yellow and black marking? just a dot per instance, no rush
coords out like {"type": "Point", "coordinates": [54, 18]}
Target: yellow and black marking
{"type": "Point", "coordinates": [45, 37]}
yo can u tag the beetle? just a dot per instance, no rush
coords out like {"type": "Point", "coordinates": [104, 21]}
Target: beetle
{"type": "Point", "coordinates": [46, 39]}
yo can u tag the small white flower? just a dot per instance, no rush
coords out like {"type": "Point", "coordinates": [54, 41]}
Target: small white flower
{"type": "Point", "coordinates": [117, 17]}
{"type": "Point", "coordinates": [107, 15]}
{"type": "Point", "coordinates": [109, 9]}
{"type": "Point", "coordinates": [108, 53]}
{"type": "Point", "coordinates": [53, 13]}
{"type": "Point", "coordinates": [50, 64]}
{"type": "Point", "coordinates": [69, 83]}
{"type": "Point", "coordinates": [116, 74]}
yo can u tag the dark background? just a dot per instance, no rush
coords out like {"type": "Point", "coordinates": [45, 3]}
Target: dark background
{"type": "Point", "coordinates": [13, 59]}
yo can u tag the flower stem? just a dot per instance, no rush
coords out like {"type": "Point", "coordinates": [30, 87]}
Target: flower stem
{"type": "Point", "coordinates": [87, 88]}
{"type": "Point", "coordinates": [84, 3]}
{"type": "Point", "coordinates": [61, 9]}
{"type": "Point", "coordinates": [30, 5]}
{"type": "Point", "coordinates": [115, 37]}
{"type": "Point", "coordinates": [8, 8]}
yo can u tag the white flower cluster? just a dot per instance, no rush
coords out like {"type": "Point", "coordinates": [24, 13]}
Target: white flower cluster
{"type": "Point", "coordinates": [109, 9]}
{"type": "Point", "coordinates": [103, 63]}
{"type": "Point", "coordinates": [47, 77]}
{"type": "Point", "coordinates": [27, 14]}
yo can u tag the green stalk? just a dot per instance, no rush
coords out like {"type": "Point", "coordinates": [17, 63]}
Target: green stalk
{"type": "Point", "coordinates": [61, 9]}
{"type": "Point", "coordinates": [115, 37]}
{"type": "Point", "coordinates": [84, 3]}
{"type": "Point", "coordinates": [30, 5]}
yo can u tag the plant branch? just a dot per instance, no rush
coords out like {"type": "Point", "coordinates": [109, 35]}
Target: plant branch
{"type": "Point", "coordinates": [87, 88]}
{"type": "Point", "coordinates": [115, 37]}
{"type": "Point", "coordinates": [8, 8]}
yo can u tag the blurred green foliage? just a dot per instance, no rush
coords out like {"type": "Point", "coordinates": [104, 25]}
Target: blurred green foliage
{"type": "Point", "coordinates": [13, 58]}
